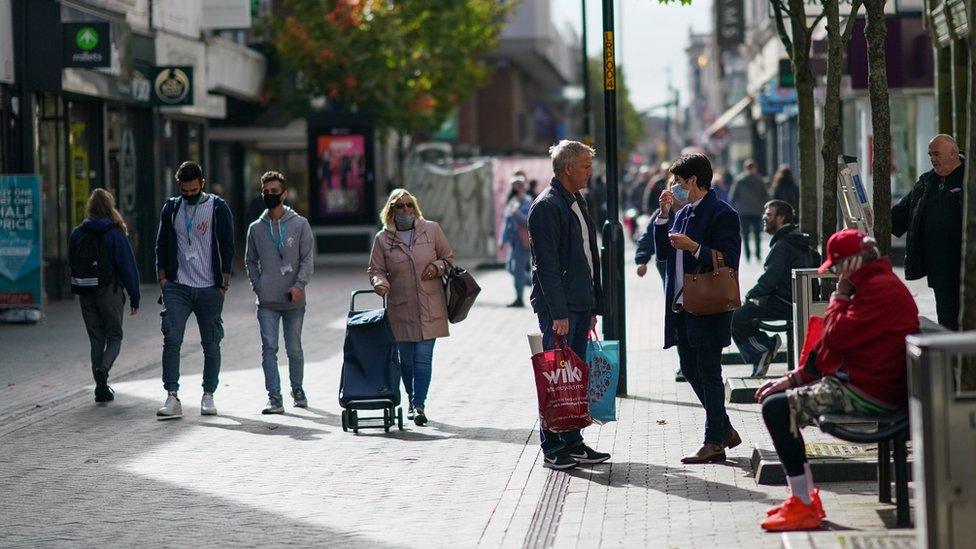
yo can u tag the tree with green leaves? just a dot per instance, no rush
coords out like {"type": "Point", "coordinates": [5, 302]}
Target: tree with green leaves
{"type": "Point", "coordinates": [408, 63]}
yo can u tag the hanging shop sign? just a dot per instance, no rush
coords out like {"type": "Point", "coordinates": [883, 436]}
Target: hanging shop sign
{"type": "Point", "coordinates": [172, 85]}
{"type": "Point", "coordinates": [20, 241]}
{"type": "Point", "coordinates": [87, 45]}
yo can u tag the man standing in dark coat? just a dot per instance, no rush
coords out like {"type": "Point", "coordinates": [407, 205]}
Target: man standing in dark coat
{"type": "Point", "coordinates": [932, 216]}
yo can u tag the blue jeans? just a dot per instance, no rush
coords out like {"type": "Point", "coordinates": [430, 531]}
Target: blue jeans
{"type": "Point", "coordinates": [416, 358]}
{"type": "Point", "coordinates": [206, 304]}
{"type": "Point", "coordinates": [268, 322]}
{"type": "Point", "coordinates": [579, 327]}
{"type": "Point", "coordinates": [702, 368]}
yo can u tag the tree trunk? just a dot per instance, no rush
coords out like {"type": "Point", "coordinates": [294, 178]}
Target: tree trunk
{"type": "Point", "coordinates": [807, 131]}
{"type": "Point", "coordinates": [960, 91]}
{"type": "Point", "coordinates": [875, 32]}
{"type": "Point", "coordinates": [967, 317]}
{"type": "Point", "coordinates": [831, 122]}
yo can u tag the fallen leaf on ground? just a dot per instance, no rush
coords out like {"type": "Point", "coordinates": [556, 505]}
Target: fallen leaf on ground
{"type": "Point", "coordinates": [10, 384]}
{"type": "Point", "coordinates": [662, 421]}
{"type": "Point", "coordinates": [91, 460]}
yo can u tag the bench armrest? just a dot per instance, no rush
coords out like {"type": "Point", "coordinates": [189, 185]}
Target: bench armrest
{"type": "Point", "coordinates": [888, 427]}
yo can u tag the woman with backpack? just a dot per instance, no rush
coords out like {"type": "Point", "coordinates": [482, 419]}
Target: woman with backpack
{"type": "Point", "coordinates": [410, 255]}
{"type": "Point", "coordinates": [102, 264]}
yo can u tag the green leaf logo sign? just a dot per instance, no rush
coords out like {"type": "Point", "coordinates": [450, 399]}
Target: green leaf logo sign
{"type": "Point", "coordinates": [86, 39]}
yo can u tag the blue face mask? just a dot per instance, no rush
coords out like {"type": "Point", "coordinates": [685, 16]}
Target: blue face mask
{"type": "Point", "coordinates": [680, 193]}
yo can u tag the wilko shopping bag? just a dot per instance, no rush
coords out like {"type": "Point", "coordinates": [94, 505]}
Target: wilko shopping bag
{"type": "Point", "coordinates": [561, 379]}
{"type": "Point", "coordinates": [603, 359]}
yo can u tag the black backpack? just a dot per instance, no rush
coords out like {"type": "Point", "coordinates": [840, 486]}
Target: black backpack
{"type": "Point", "coordinates": [91, 267]}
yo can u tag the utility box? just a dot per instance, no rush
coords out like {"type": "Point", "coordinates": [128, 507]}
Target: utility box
{"type": "Point", "coordinates": [806, 289]}
{"type": "Point", "coordinates": [943, 419]}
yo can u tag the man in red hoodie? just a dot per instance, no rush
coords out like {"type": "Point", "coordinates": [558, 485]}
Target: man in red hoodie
{"type": "Point", "coordinates": [857, 367]}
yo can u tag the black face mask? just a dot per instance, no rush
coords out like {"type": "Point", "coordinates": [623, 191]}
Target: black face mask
{"type": "Point", "coordinates": [192, 198]}
{"type": "Point", "coordinates": [271, 200]}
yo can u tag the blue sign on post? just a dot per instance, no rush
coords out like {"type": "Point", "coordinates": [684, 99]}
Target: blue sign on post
{"type": "Point", "coordinates": [20, 241]}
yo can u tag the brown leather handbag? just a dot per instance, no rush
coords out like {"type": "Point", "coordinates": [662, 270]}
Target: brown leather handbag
{"type": "Point", "coordinates": [713, 292]}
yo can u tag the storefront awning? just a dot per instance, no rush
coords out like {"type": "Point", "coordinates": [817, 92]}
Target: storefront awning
{"type": "Point", "coordinates": [727, 117]}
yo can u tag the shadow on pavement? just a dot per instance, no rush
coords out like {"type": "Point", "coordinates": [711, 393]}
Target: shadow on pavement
{"type": "Point", "coordinates": [256, 427]}
{"type": "Point", "coordinates": [673, 481]}
{"type": "Point", "coordinates": [688, 404]}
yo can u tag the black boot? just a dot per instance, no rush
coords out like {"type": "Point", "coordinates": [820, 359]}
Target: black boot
{"type": "Point", "coordinates": [103, 393]}
{"type": "Point", "coordinates": [517, 303]}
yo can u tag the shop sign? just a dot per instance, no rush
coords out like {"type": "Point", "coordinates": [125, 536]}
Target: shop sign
{"type": "Point", "coordinates": [20, 241]}
{"type": "Point", "coordinates": [87, 45]}
{"type": "Point", "coordinates": [127, 172]}
{"type": "Point", "coordinates": [730, 23]}
{"type": "Point", "coordinates": [172, 85]}
{"type": "Point", "coordinates": [341, 169]}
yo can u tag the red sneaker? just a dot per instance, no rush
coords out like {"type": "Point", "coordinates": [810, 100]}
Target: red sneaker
{"type": "Point", "coordinates": [814, 500]}
{"type": "Point", "coordinates": [793, 515]}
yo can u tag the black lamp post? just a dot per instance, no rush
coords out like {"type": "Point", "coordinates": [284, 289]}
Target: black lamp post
{"type": "Point", "coordinates": [587, 136]}
{"type": "Point", "coordinates": [614, 319]}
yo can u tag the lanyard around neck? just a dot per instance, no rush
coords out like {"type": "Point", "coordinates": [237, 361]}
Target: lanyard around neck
{"type": "Point", "coordinates": [188, 218]}
{"type": "Point", "coordinates": [280, 241]}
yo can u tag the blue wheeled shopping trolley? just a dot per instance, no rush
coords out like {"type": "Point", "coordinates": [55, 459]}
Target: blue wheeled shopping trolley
{"type": "Point", "coordinates": [370, 371]}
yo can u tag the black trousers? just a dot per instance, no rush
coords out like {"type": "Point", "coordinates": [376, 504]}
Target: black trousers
{"type": "Point", "coordinates": [751, 224]}
{"type": "Point", "coordinates": [702, 368]}
{"type": "Point", "coordinates": [947, 306]}
{"type": "Point", "coordinates": [744, 332]}
{"type": "Point", "coordinates": [790, 449]}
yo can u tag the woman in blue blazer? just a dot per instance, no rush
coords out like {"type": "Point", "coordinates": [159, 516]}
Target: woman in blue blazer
{"type": "Point", "coordinates": [704, 224]}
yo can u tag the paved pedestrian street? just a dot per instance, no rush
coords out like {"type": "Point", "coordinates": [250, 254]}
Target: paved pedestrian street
{"type": "Point", "coordinates": [77, 474]}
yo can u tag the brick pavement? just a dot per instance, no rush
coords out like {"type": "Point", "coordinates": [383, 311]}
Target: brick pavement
{"type": "Point", "coordinates": [76, 473]}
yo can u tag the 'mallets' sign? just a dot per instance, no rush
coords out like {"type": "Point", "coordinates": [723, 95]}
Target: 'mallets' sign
{"type": "Point", "coordinates": [87, 45]}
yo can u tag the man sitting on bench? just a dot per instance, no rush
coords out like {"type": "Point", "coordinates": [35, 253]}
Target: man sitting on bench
{"type": "Point", "coordinates": [772, 296]}
{"type": "Point", "coordinates": [857, 367]}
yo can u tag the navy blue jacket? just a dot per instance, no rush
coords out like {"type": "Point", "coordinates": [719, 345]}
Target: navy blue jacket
{"type": "Point", "coordinates": [119, 250]}
{"type": "Point", "coordinates": [222, 239]}
{"type": "Point", "coordinates": [561, 280]}
{"type": "Point", "coordinates": [714, 225]}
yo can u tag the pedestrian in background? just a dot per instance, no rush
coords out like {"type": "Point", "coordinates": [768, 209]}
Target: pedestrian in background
{"type": "Point", "coordinates": [566, 291]}
{"type": "Point", "coordinates": [703, 225]}
{"type": "Point", "coordinates": [722, 182]}
{"type": "Point", "coordinates": [515, 235]}
{"type": "Point", "coordinates": [749, 196]}
{"type": "Point", "coordinates": [194, 257]}
{"type": "Point", "coordinates": [784, 187]}
{"type": "Point", "coordinates": [932, 216]}
{"type": "Point", "coordinates": [409, 257]}
{"type": "Point", "coordinates": [102, 264]}
{"type": "Point", "coordinates": [279, 261]}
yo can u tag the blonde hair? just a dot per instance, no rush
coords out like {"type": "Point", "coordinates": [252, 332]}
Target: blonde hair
{"type": "Point", "coordinates": [101, 204]}
{"type": "Point", "coordinates": [386, 214]}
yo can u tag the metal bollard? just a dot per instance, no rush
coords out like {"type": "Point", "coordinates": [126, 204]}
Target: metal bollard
{"type": "Point", "coordinates": [943, 423]}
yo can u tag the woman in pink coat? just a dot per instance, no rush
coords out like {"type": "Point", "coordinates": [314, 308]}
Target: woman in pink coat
{"type": "Point", "coordinates": [409, 257]}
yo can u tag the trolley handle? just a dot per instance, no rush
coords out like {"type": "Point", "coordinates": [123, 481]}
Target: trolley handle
{"type": "Point", "coordinates": [352, 299]}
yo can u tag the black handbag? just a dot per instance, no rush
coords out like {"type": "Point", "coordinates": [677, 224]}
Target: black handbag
{"type": "Point", "coordinates": [460, 289]}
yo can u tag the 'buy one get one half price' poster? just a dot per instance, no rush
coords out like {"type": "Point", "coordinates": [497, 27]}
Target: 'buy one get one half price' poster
{"type": "Point", "coordinates": [20, 241]}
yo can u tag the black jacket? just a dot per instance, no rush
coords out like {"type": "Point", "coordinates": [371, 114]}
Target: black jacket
{"type": "Point", "coordinates": [561, 280]}
{"type": "Point", "coordinates": [935, 255]}
{"type": "Point", "coordinates": [789, 249]}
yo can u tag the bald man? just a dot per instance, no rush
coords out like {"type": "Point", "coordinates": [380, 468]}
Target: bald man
{"type": "Point", "coordinates": [932, 216]}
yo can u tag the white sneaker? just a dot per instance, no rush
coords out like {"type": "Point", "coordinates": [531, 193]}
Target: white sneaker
{"type": "Point", "coordinates": [172, 409]}
{"type": "Point", "coordinates": [207, 407]}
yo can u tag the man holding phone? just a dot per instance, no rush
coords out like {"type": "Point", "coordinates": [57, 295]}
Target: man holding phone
{"type": "Point", "coordinates": [279, 262]}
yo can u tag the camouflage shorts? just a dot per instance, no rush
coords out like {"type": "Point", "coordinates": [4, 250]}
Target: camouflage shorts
{"type": "Point", "coordinates": [827, 396]}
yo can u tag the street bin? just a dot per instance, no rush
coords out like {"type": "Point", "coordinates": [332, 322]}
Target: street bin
{"type": "Point", "coordinates": [943, 423]}
{"type": "Point", "coordinates": [805, 304]}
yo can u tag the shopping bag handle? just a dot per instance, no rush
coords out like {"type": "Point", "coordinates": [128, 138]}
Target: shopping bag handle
{"type": "Point", "coordinates": [595, 338]}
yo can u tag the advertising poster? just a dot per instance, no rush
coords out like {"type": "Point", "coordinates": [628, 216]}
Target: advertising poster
{"type": "Point", "coordinates": [20, 241]}
{"type": "Point", "coordinates": [341, 175]}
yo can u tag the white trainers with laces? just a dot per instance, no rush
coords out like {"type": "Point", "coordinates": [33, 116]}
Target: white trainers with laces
{"type": "Point", "coordinates": [207, 407]}
{"type": "Point", "coordinates": [172, 409]}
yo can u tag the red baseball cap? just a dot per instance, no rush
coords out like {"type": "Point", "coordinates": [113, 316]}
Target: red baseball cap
{"type": "Point", "coordinates": [842, 245]}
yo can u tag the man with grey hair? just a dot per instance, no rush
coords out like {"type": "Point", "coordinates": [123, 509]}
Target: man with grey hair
{"type": "Point", "coordinates": [566, 292]}
{"type": "Point", "coordinates": [931, 214]}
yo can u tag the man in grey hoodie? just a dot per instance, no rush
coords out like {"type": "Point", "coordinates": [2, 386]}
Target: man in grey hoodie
{"type": "Point", "coordinates": [279, 265]}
